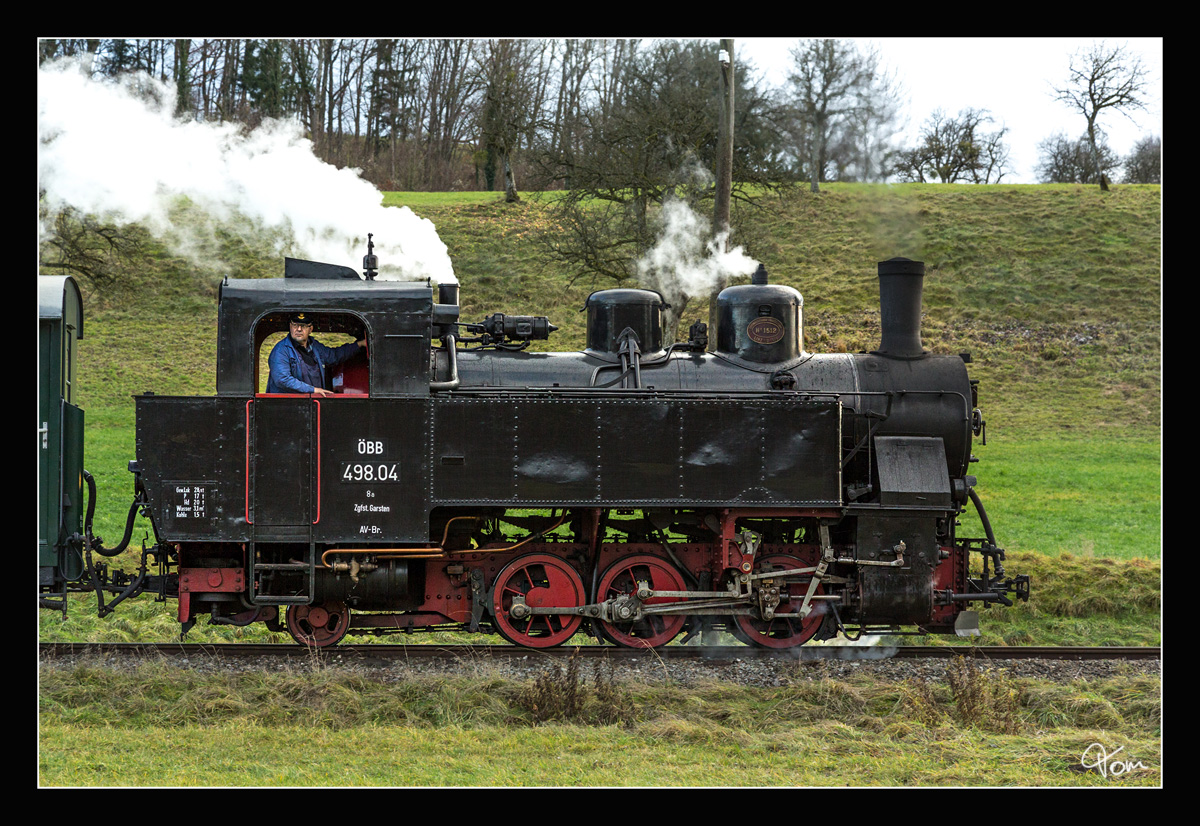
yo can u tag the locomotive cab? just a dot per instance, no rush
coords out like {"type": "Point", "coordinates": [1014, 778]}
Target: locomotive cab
{"type": "Point", "coordinates": [394, 317]}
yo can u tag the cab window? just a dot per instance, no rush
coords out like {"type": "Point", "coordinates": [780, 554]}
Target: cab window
{"type": "Point", "coordinates": [332, 329]}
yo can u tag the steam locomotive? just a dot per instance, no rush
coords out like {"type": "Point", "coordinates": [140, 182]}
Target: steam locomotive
{"type": "Point", "coordinates": [638, 490]}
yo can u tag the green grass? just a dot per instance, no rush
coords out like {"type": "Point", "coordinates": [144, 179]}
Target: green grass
{"type": "Point", "coordinates": [1093, 497]}
{"type": "Point", "coordinates": [574, 757]}
{"type": "Point", "coordinates": [326, 728]}
{"type": "Point", "coordinates": [415, 200]}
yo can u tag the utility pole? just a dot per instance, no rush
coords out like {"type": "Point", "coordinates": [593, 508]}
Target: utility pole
{"type": "Point", "coordinates": [724, 173]}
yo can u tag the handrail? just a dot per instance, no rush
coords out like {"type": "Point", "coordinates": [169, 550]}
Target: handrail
{"type": "Point", "coordinates": [248, 521]}
{"type": "Point", "coordinates": [317, 402]}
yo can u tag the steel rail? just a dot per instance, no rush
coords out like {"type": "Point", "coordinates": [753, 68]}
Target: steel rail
{"type": "Point", "coordinates": [699, 652]}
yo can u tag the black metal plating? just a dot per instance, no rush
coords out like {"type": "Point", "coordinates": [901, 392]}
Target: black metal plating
{"type": "Point", "coordinates": [878, 442]}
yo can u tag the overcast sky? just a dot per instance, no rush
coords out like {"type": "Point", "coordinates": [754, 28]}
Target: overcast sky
{"type": "Point", "coordinates": [1010, 77]}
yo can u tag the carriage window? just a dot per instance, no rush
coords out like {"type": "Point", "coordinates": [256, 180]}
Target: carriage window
{"type": "Point", "coordinates": [334, 332]}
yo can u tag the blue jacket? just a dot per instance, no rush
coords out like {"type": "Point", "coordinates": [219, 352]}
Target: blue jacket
{"type": "Point", "coordinates": [286, 367]}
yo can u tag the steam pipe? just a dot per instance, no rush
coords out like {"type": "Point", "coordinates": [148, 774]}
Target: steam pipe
{"type": "Point", "coordinates": [90, 543]}
{"type": "Point", "coordinates": [453, 382]}
{"type": "Point", "coordinates": [983, 517]}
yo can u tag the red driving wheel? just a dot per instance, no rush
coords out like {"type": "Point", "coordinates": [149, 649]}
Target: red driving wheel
{"type": "Point", "coordinates": [622, 578]}
{"type": "Point", "coordinates": [538, 581]}
{"type": "Point", "coordinates": [782, 632]}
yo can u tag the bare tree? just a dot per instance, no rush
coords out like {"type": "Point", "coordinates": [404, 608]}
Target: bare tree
{"type": "Point", "coordinates": [100, 252]}
{"type": "Point", "coordinates": [1062, 160]}
{"type": "Point", "coordinates": [50, 48]}
{"type": "Point", "coordinates": [839, 94]}
{"type": "Point", "coordinates": [1100, 78]}
{"type": "Point", "coordinates": [956, 149]}
{"type": "Point", "coordinates": [565, 129]}
{"type": "Point", "coordinates": [651, 141]}
{"type": "Point", "coordinates": [451, 91]}
{"type": "Point", "coordinates": [1144, 164]}
{"type": "Point", "coordinates": [510, 72]}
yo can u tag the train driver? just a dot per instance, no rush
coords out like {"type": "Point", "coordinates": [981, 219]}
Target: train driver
{"type": "Point", "coordinates": [298, 361]}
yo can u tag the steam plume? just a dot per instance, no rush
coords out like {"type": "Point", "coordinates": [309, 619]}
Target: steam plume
{"type": "Point", "coordinates": [113, 148]}
{"type": "Point", "coordinates": [687, 259]}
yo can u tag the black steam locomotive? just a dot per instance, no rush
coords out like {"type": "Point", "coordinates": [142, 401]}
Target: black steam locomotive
{"type": "Point", "coordinates": [637, 490]}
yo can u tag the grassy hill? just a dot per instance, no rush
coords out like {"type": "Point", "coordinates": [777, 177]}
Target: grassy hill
{"type": "Point", "coordinates": [1053, 284]}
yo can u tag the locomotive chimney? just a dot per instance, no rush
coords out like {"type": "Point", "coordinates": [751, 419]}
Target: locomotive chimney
{"type": "Point", "coordinates": [900, 284]}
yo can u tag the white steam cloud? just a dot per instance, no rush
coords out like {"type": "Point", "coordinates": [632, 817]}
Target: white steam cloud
{"type": "Point", "coordinates": [687, 259]}
{"type": "Point", "coordinates": [115, 149]}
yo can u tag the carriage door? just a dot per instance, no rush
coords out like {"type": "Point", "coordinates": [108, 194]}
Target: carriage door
{"type": "Point", "coordinates": [282, 459]}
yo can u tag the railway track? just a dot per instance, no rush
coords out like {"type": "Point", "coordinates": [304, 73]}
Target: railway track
{"type": "Point", "coordinates": [689, 652]}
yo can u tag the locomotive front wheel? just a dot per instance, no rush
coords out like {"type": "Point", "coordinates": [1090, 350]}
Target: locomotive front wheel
{"type": "Point", "coordinates": [537, 581]}
{"type": "Point", "coordinates": [622, 578]}
{"type": "Point", "coordinates": [318, 625]}
{"type": "Point", "coordinates": [782, 632]}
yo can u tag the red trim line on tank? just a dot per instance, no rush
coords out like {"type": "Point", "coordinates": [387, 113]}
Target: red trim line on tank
{"type": "Point", "coordinates": [317, 402]}
{"type": "Point", "coordinates": [248, 522]}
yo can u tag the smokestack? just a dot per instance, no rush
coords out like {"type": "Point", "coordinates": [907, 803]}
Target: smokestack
{"type": "Point", "coordinates": [900, 284]}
